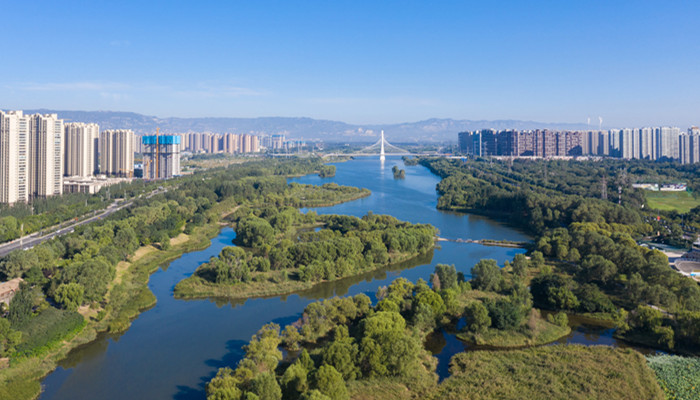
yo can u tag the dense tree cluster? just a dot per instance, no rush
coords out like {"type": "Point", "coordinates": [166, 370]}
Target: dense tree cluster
{"type": "Point", "coordinates": [283, 239]}
{"type": "Point", "coordinates": [77, 269]}
{"type": "Point", "coordinates": [601, 269]}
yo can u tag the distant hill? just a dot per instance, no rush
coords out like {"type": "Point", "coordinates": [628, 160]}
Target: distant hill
{"type": "Point", "coordinates": [431, 130]}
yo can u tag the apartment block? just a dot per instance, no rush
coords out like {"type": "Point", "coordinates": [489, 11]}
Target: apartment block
{"type": "Point", "coordinates": [81, 153]}
{"type": "Point", "coordinates": [117, 152]}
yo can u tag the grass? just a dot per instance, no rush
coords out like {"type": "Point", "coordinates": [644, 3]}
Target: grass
{"type": "Point", "coordinates": [679, 377]}
{"type": "Point", "coordinates": [682, 202]}
{"type": "Point", "coordinates": [537, 331]}
{"type": "Point", "coordinates": [550, 372]}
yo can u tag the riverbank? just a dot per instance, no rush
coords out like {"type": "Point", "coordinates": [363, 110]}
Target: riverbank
{"type": "Point", "coordinates": [22, 379]}
{"type": "Point", "coordinates": [267, 284]}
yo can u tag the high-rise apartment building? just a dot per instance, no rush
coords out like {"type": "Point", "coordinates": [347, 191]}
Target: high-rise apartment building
{"type": "Point", "coordinates": [81, 154]}
{"type": "Point", "coordinates": [117, 152]}
{"type": "Point", "coordinates": [161, 156]}
{"type": "Point", "coordinates": [46, 155]}
{"type": "Point", "coordinates": [14, 157]}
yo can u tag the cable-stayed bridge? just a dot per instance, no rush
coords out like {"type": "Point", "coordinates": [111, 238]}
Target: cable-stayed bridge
{"type": "Point", "coordinates": [382, 148]}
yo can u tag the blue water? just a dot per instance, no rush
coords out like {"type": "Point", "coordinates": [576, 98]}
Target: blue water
{"type": "Point", "coordinates": [173, 349]}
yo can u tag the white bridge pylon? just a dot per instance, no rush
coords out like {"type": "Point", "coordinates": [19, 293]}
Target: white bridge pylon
{"type": "Point", "coordinates": [384, 147]}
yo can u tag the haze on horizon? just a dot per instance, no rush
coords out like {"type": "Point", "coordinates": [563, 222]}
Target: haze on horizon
{"type": "Point", "coordinates": [633, 63]}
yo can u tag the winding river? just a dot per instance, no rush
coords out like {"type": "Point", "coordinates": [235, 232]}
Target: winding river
{"type": "Point", "coordinates": [174, 348]}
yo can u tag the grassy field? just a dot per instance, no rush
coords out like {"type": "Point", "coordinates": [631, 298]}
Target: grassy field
{"type": "Point", "coordinates": [669, 201]}
{"type": "Point", "coordinates": [550, 372]}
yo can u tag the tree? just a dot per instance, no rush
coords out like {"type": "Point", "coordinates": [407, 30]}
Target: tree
{"type": "Point", "coordinates": [315, 395]}
{"type": "Point", "coordinates": [447, 276]}
{"type": "Point", "coordinates": [70, 295]}
{"type": "Point", "coordinates": [294, 382]}
{"type": "Point", "coordinates": [536, 260]}
{"type": "Point", "coordinates": [341, 354]}
{"type": "Point", "coordinates": [21, 305]}
{"type": "Point", "coordinates": [505, 314]}
{"type": "Point", "coordinates": [164, 241]}
{"type": "Point", "coordinates": [486, 275]}
{"type": "Point", "coordinates": [9, 338]}
{"type": "Point", "coordinates": [596, 268]}
{"type": "Point", "coordinates": [520, 265]}
{"type": "Point", "coordinates": [263, 350]}
{"type": "Point", "coordinates": [330, 383]}
{"type": "Point", "coordinates": [265, 386]}
{"type": "Point", "coordinates": [477, 317]}
{"type": "Point", "coordinates": [645, 318]}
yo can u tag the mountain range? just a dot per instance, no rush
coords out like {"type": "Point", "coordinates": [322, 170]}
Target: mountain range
{"type": "Point", "coordinates": [430, 130]}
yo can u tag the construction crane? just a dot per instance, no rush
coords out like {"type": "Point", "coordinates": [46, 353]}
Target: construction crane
{"type": "Point", "coordinates": [157, 154]}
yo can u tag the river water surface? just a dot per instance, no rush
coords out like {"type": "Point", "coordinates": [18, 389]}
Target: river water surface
{"type": "Point", "coordinates": [173, 349]}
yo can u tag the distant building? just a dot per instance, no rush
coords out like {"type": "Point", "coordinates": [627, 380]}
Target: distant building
{"type": "Point", "coordinates": [91, 185]}
{"type": "Point", "coordinates": [14, 157]}
{"type": "Point", "coordinates": [46, 155]}
{"type": "Point", "coordinates": [81, 152]}
{"type": "Point", "coordinates": [161, 156]}
{"type": "Point", "coordinates": [117, 152]}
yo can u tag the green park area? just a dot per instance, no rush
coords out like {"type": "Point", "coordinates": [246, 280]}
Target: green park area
{"type": "Point", "coordinates": [669, 201]}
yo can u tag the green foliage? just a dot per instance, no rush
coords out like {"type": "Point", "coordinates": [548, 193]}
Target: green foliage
{"type": "Point", "coordinates": [265, 387]}
{"type": "Point", "coordinates": [505, 313]}
{"type": "Point", "coordinates": [47, 329]}
{"type": "Point", "coordinates": [21, 306]}
{"type": "Point", "coordinates": [446, 276]}
{"type": "Point", "coordinates": [486, 275]}
{"type": "Point", "coordinates": [70, 295]}
{"type": "Point", "coordinates": [678, 376]}
{"type": "Point", "coordinates": [559, 318]}
{"type": "Point", "coordinates": [330, 383]}
{"type": "Point", "coordinates": [556, 372]}
{"type": "Point", "coordinates": [477, 316]}
{"type": "Point", "coordinates": [9, 338]}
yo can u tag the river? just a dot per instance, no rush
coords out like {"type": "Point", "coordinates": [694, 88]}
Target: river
{"type": "Point", "coordinates": [174, 348]}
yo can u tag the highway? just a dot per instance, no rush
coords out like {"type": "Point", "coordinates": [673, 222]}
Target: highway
{"type": "Point", "coordinates": [29, 241]}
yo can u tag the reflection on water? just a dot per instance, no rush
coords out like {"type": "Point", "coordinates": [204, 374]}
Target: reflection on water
{"type": "Point", "coordinates": [443, 343]}
{"type": "Point", "coordinates": [173, 349]}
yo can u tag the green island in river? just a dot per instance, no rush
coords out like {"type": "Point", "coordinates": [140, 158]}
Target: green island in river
{"type": "Point", "coordinates": [281, 251]}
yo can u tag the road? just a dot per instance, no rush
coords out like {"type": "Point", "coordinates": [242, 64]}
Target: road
{"type": "Point", "coordinates": [29, 241]}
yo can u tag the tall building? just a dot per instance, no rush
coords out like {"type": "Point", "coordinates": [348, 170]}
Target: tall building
{"type": "Point", "coordinates": [81, 154]}
{"type": "Point", "coordinates": [161, 156]}
{"type": "Point", "coordinates": [231, 143]}
{"type": "Point", "coordinates": [117, 152]}
{"type": "Point", "coordinates": [14, 157]}
{"type": "Point", "coordinates": [46, 155]}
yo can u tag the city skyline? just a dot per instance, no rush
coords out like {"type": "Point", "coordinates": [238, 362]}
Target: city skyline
{"type": "Point", "coordinates": [631, 64]}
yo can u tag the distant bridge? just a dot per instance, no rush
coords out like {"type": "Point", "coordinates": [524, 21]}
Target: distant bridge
{"type": "Point", "coordinates": [378, 148]}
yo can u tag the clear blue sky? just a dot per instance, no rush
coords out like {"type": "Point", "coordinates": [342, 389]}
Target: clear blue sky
{"type": "Point", "coordinates": [632, 62]}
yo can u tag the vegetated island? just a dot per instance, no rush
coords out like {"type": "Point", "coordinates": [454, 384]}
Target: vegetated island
{"type": "Point", "coordinates": [95, 279]}
{"type": "Point", "coordinates": [398, 173]}
{"type": "Point", "coordinates": [280, 251]}
{"type": "Point", "coordinates": [343, 348]}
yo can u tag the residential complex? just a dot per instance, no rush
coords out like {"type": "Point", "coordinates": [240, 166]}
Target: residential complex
{"type": "Point", "coordinates": [31, 156]}
{"type": "Point", "coordinates": [642, 143]}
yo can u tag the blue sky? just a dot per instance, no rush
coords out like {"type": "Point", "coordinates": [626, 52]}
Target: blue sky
{"type": "Point", "coordinates": [632, 62]}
